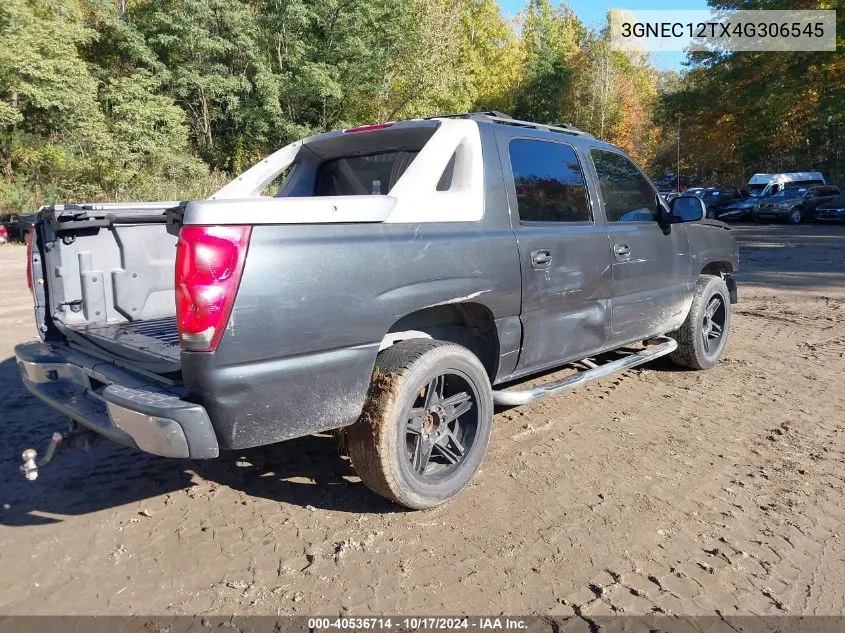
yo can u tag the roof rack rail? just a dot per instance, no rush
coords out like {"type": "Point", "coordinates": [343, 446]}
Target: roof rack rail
{"type": "Point", "coordinates": [501, 117]}
{"type": "Point", "coordinates": [471, 115]}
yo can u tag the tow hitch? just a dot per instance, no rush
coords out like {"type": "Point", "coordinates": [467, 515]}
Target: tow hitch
{"type": "Point", "coordinates": [59, 442]}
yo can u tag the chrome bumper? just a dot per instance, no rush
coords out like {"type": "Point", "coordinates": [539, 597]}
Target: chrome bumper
{"type": "Point", "coordinates": [116, 403]}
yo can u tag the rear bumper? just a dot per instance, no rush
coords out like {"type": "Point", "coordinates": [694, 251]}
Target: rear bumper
{"type": "Point", "coordinates": [115, 403]}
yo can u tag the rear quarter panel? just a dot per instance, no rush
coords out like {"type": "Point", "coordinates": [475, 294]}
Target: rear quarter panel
{"type": "Point", "coordinates": [312, 308]}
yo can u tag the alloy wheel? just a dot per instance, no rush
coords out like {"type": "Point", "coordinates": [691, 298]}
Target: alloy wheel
{"type": "Point", "coordinates": [713, 327]}
{"type": "Point", "coordinates": [441, 426]}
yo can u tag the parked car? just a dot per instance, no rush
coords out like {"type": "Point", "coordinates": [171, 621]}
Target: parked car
{"type": "Point", "coordinates": [794, 204]}
{"type": "Point", "coordinates": [832, 210]}
{"type": "Point", "coordinates": [185, 329]}
{"type": "Point", "coordinates": [18, 226]}
{"type": "Point", "coordinates": [739, 210]}
{"type": "Point", "coordinates": [716, 199]}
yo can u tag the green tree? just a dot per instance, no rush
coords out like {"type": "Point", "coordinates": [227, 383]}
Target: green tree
{"type": "Point", "coordinates": [426, 73]}
{"type": "Point", "coordinates": [494, 56]}
{"type": "Point", "coordinates": [47, 94]}
{"type": "Point", "coordinates": [550, 38]}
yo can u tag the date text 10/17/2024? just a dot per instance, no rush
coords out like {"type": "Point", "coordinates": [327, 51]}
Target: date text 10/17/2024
{"type": "Point", "coordinates": [498, 623]}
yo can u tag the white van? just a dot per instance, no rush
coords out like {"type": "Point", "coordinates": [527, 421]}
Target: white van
{"type": "Point", "coordinates": [764, 185]}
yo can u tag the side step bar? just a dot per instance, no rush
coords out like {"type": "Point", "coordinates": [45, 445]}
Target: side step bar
{"type": "Point", "coordinates": [660, 347]}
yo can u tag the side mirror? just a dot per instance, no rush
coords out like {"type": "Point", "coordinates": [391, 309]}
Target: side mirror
{"type": "Point", "coordinates": [688, 209]}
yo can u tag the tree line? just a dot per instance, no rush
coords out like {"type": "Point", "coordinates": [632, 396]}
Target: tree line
{"type": "Point", "coordinates": [165, 99]}
{"type": "Point", "coordinates": [742, 113]}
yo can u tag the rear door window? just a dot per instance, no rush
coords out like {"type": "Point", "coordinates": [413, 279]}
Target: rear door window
{"type": "Point", "coordinates": [549, 182]}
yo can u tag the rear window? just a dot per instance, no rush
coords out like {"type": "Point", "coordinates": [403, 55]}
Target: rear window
{"type": "Point", "coordinates": [371, 174]}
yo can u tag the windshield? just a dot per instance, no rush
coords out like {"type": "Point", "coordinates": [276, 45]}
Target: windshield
{"type": "Point", "coordinates": [790, 193]}
{"type": "Point", "coordinates": [756, 190]}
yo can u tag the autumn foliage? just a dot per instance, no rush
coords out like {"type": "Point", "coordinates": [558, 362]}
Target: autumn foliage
{"type": "Point", "coordinates": [122, 99]}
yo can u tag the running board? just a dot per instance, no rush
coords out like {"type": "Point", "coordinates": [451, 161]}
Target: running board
{"type": "Point", "coordinates": [665, 345]}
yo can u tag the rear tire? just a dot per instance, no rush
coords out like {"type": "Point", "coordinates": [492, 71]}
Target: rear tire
{"type": "Point", "coordinates": [795, 217]}
{"type": "Point", "coordinates": [704, 334]}
{"type": "Point", "coordinates": [425, 425]}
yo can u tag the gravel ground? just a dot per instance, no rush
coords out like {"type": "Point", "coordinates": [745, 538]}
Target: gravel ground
{"type": "Point", "coordinates": [657, 491]}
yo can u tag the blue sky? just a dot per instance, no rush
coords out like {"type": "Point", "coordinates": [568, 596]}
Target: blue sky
{"type": "Point", "coordinates": [593, 12]}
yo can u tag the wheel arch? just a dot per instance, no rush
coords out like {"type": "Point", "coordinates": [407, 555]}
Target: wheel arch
{"type": "Point", "coordinates": [718, 268]}
{"type": "Point", "coordinates": [470, 324]}
{"type": "Point", "coordinates": [723, 269]}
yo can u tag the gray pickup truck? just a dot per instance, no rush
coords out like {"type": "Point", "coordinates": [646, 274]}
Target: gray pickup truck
{"type": "Point", "coordinates": [401, 281]}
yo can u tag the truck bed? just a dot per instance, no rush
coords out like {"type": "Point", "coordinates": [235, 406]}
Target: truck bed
{"type": "Point", "coordinates": [154, 342]}
{"type": "Point", "coordinates": [107, 273]}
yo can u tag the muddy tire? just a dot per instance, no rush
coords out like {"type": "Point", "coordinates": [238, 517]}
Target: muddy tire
{"type": "Point", "coordinates": [425, 425]}
{"type": "Point", "coordinates": [702, 337]}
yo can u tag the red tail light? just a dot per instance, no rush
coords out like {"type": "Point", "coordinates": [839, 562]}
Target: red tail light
{"type": "Point", "coordinates": [30, 239]}
{"type": "Point", "coordinates": [209, 263]}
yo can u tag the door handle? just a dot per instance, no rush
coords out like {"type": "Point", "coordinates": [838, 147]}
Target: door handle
{"type": "Point", "coordinates": [622, 251]}
{"type": "Point", "coordinates": [541, 258]}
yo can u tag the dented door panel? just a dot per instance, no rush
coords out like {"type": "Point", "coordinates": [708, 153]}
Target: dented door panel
{"type": "Point", "coordinates": [652, 285]}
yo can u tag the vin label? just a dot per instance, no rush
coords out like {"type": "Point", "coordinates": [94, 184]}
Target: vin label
{"type": "Point", "coordinates": [723, 31]}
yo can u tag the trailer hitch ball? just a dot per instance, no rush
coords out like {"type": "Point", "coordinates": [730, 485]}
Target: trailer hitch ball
{"type": "Point", "coordinates": [30, 465]}
{"type": "Point", "coordinates": [30, 468]}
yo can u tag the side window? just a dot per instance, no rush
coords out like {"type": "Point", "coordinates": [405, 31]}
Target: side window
{"type": "Point", "coordinates": [549, 182]}
{"type": "Point", "coordinates": [628, 197]}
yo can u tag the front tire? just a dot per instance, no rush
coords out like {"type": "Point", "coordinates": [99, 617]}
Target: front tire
{"type": "Point", "coordinates": [795, 216]}
{"type": "Point", "coordinates": [704, 334]}
{"type": "Point", "coordinates": [425, 425]}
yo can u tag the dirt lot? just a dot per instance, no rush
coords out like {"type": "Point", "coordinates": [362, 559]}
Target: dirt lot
{"type": "Point", "coordinates": [660, 490]}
